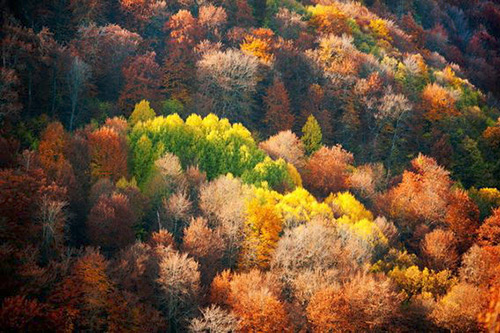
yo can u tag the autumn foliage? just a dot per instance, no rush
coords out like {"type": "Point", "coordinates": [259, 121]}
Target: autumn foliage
{"type": "Point", "coordinates": [250, 166]}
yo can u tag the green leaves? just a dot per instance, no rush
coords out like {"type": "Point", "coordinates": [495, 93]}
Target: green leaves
{"type": "Point", "coordinates": [312, 135]}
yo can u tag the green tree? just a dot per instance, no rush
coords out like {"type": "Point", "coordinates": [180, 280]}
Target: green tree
{"type": "Point", "coordinates": [312, 135]}
{"type": "Point", "coordinates": [142, 112]}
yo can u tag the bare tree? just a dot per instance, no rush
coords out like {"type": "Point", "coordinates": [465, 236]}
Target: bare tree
{"type": "Point", "coordinates": [77, 77]}
{"type": "Point", "coordinates": [227, 82]}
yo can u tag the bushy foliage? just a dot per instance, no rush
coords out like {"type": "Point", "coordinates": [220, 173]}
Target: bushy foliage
{"type": "Point", "coordinates": [327, 170]}
{"type": "Point", "coordinates": [385, 111]}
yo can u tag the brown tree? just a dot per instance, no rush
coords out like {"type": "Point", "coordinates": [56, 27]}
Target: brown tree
{"type": "Point", "coordinates": [110, 222]}
{"type": "Point", "coordinates": [179, 285]}
{"type": "Point", "coordinates": [108, 151]}
{"type": "Point", "coordinates": [489, 232]}
{"type": "Point", "coordinates": [459, 309]}
{"type": "Point", "coordinates": [327, 170]}
{"type": "Point", "coordinates": [142, 81]}
{"type": "Point", "coordinates": [285, 145]}
{"type": "Point", "coordinates": [439, 250]}
{"type": "Point", "coordinates": [462, 217]}
{"type": "Point", "coordinates": [421, 197]}
{"type": "Point", "coordinates": [205, 246]}
{"type": "Point", "coordinates": [278, 116]}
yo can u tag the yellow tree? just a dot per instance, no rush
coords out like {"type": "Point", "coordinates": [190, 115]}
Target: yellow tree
{"type": "Point", "coordinates": [262, 228]}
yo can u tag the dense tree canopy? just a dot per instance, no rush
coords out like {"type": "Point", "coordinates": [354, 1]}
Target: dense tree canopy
{"type": "Point", "coordinates": [249, 166]}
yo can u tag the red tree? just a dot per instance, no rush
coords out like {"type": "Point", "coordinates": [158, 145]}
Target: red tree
{"type": "Point", "coordinates": [142, 81]}
{"type": "Point", "coordinates": [108, 151]}
{"type": "Point", "coordinates": [489, 232]}
{"type": "Point", "coordinates": [110, 222]}
{"type": "Point", "coordinates": [462, 217]}
{"type": "Point", "coordinates": [278, 116]}
{"type": "Point", "coordinates": [327, 170]}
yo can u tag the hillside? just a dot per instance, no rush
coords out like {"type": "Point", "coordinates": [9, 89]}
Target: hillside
{"type": "Point", "coordinates": [249, 165]}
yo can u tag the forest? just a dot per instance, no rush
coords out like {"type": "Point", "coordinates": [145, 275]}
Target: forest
{"type": "Point", "coordinates": [249, 166]}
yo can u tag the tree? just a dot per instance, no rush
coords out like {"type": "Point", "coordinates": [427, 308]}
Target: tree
{"type": "Point", "coordinates": [328, 310]}
{"type": "Point", "coordinates": [327, 170]}
{"type": "Point", "coordinates": [314, 104]}
{"type": "Point", "coordinates": [222, 201]}
{"type": "Point", "coordinates": [285, 145]}
{"type": "Point", "coordinates": [19, 313]}
{"type": "Point", "coordinates": [110, 222]}
{"type": "Point", "coordinates": [459, 309]}
{"type": "Point", "coordinates": [288, 23]}
{"type": "Point", "coordinates": [480, 265]}
{"type": "Point", "coordinates": [212, 19]}
{"type": "Point", "coordinates": [142, 81]}
{"type": "Point", "coordinates": [162, 238]}
{"type": "Point", "coordinates": [462, 217]}
{"type": "Point", "coordinates": [421, 196]}
{"type": "Point", "coordinates": [205, 246]}
{"type": "Point", "coordinates": [88, 11]}
{"type": "Point", "coordinates": [317, 247]}
{"type": "Point", "coordinates": [142, 112]}
{"type": "Point", "coordinates": [105, 49]}
{"type": "Point", "coordinates": [300, 207]}
{"type": "Point", "coordinates": [489, 232]}
{"type": "Point", "coordinates": [329, 19]}
{"type": "Point", "coordinates": [262, 228]}
{"type": "Point", "coordinates": [183, 27]}
{"type": "Point", "coordinates": [179, 285]}
{"type": "Point", "coordinates": [367, 302]}
{"type": "Point", "coordinates": [108, 152]}
{"type": "Point", "coordinates": [311, 135]}
{"type": "Point", "coordinates": [51, 152]}
{"type": "Point", "coordinates": [438, 103]}
{"type": "Point", "coordinates": [84, 295]}
{"type": "Point", "coordinates": [253, 298]}
{"type": "Point", "coordinates": [275, 173]}
{"type": "Point", "coordinates": [52, 217]}
{"type": "Point", "coordinates": [490, 317]}
{"type": "Point", "coordinates": [439, 250]}
{"type": "Point", "coordinates": [177, 210]}
{"type": "Point", "coordinates": [134, 270]}
{"type": "Point", "coordinates": [20, 193]}
{"type": "Point", "coordinates": [179, 72]}
{"type": "Point", "coordinates": [367, 179]}
{"type": "Point", "coordinates": [10, 104]}
{"type": "Point", "coordinates": [259, 43]}
{"type": "Point", "coordinates": [214, 319]}
{"type": "Point", "coordinates": [227, 82]}
{"type": "Point", "coordinates": [141, 12]}
{"type": "Point", "coordinates": [77, 79]}
{"type": "Point", "coordinates": [412, 281]}
{"type": "Point", "coordinates": [278, 116]}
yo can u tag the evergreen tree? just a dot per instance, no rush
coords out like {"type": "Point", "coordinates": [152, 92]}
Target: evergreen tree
{"type": "Point", "coordinates": [311, 135]}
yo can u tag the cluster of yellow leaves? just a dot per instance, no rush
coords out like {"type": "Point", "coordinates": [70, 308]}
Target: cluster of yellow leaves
{"type": "Point", "coordinates": [337, 55]}
{"type": "Point", "coordinates": [142, 112]}
{"type": "Point", "coordinates": [380, 29]}
{"type": "Point", "coordinates": [352, 213]}
{"type": "Point", "coordinates": [300, 206]}
{"type": "Point", "coordinates": [263, 225]}
{"type": "Point", "coordinates": [259, 44]}
{"type": "Point", "coordinates": [490, 194]}
{"type": "Point", "coordinates": [328, 19]}
{"type": "Point", "coordinates": [414, 281]}
{"type": "Point", "coordinates": [448, 76]}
